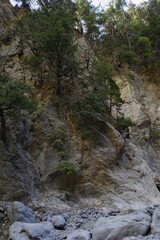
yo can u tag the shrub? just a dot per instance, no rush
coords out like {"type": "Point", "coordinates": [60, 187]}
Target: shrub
{"type": "Point", "coordinates": [65, 167]}
{"type": "Point", "coordinates": [124, 124]}
{"type": "Point", "coordinates": [62, 154]}
{"type": "Point", "coordinates": [56, 137]}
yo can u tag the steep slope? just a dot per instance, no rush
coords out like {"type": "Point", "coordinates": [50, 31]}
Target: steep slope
{"type": "Point", "coordinates": [113, 172]}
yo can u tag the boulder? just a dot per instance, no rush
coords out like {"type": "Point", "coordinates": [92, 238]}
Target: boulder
{"type": "Point", "coordinates": [115, 228]}
{"type": "Point", "coordinates": [79, 235]}
{"type": "Point", "coordinates": [27, 231]}
{"type": "Point", "coordinates": [18, 212]}
{"type": "Point", "coordinates": [148, 237]}
{"type": "Point", "coordinates": [155, 225]}
{"type": "Point", "coordinates": [59, 222]}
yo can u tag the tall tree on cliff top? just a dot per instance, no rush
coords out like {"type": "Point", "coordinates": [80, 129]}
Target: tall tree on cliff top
{"type": "Point", "coordinates": [49, 32]}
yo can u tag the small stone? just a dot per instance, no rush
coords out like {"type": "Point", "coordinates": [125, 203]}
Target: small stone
{"type": "Point", "coordinates": [59, 222]}
{"type": "Point", "coordinates": [78, 225]}
{"type": "Point", "coordinates": [84, 216]}
{"type": "Point", "coordinates": [156, 205]}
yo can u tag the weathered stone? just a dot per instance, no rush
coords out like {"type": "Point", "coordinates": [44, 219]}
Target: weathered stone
{"type": "Point", "coordinates": [115, 228]}
{"type": "Point", "coordinates": [27, 231]}
{"type": "Point", "coordinates": [6, 15]}
{"type": "Point", "coordinates": [79, 235]}
{"type": "Point", "coordinates": [155, 225]}
{"type": "Point", "coordinates": [59, 222]}
{"type": "Point", "coordinates": [18, 212]}
{"type": "Point", "coordinates": [149, 237]}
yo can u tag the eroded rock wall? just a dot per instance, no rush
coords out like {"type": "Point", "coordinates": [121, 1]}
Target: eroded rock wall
{"type": "Point", "coordinates": [114, 171]}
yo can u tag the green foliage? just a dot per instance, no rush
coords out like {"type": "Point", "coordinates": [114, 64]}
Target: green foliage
{"type": "Point", "coordinates": [84, 165]}
{"type": "Point", "coordinates": [112, 93]}
{"type": "Point", "coordinates": [87, 19]}
{"type": "Point", "coordinates": [89, 109]}
{"type": "Point", "coordinates": [120, 4]}
{"type": "Point", "coordinates": [124, 124]}
{"type": "Point", "coordinates": [131, 35]}
{"type": "Point", "coordinates": [9, 34]}
{"type": "Point", "coordinates": [49, 34]}
{"type": "Point", "coordinates": [104, 85]}
{"type": "Point", "coordinates": [101, 72]}
{"type": "Point", "coordinates": [34, 62]}
{"type": "Point", "coordinates": [35, 65]}
{"type": "Point", "coordinates": [128, 35]}
{"type": "Point", "coordinates": [144, 47]}
{"type": "Point", "coordinates": [62, 154]}
{"type": "Point", "coordinates": [56, 137]}
{"type": "Point", "coordinates": [66, 167]}
{"type": "Point", "coordinates": [14, 97]}
{"type": "Point", "coordinates": [15, 102]}
{"type": "Point", "coordinates": [126, 55]}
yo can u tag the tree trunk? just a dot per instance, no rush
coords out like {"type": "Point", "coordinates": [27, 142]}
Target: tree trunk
{"type": "Point", "coordinates": [59, 91]}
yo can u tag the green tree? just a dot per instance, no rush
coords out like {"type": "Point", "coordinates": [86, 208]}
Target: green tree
{"type": "Point", "coordinates": [14, 101]}
{"type": "Point", "coordinates": [89, 109]}
{"type": "Point", "coordinates": [153, 24]}
{"type": "Point", "coordinates": [113, 95]}
{"type": "Point", "coordinates": [26, 3]}
{"type": "Point", "coordinates": [144, 47]}
{"type": "Point", "coordinates": [105, 87]}
{"type": "Point", "coordinates": [49, 34]}
{"type": "Point", "coordinates": [87, 18]}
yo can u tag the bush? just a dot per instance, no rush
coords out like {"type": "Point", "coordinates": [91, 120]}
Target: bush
{"type": "Point", "coordinates": [56, 137]}
{"type": "Point", "coordinates": [65, 167]}
{"type": "Point", "coordinates": [62, 154]}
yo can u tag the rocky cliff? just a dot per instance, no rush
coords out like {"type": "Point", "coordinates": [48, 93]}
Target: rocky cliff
{"type": "Point", "coordinates": [114, 172]}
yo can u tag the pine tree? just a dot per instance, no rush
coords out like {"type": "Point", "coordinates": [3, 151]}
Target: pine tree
{"type": "Point", "coordinates": [49, 32]}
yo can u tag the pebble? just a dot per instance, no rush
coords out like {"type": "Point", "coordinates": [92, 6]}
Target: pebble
{"type": "Point", "coordinates": [156, 205]}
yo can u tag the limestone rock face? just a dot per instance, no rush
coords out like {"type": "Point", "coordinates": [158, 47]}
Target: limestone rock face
{"type": "Point", "coordinates": [19, 175]}
{"type": "Point", "coordinates": [110, 170]}
{"type": "Point", "coordinates": [155, 225]}
{"type": "Point", "coordinates": [6, 15]}
{"type": "Point", "coordinates": [115, 228]}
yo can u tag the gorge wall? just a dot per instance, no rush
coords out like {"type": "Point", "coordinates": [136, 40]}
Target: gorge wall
{"type": "Point", "coordinates": [115, 172]}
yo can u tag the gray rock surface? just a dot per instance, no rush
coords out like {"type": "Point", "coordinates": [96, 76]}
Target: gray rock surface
{"type": "Point", "coordinates": [149, 237]}
{"type": "Point", "coordinates": [79, 235]}
{"type": "Point", "coordinates": [27, 231]}
{"type": "Point", "coordinates": [155, 225]}
{"type": "Point", "coordinates": [117, 227]}
{"type": "Point", "coordinates": [18, 212]}
{"type": "Point", "coordinates": [59, 222]}
{"type": "Point", "coordinates": [6, 15]}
